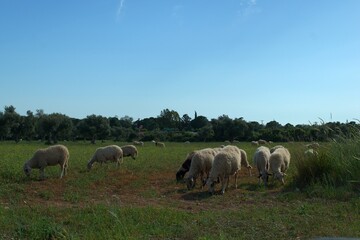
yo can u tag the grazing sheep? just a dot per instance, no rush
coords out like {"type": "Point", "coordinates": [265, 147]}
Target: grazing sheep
{"type": "Point", "coordinates": [279, 162]}
{"type": "Point", "coordinates": [51, 156]}
{"type": "Point", "coordinates": [129, 150]}
{"type": "Point", "coordinates": [109, 153]}
{"type": "Point", "coordinates": [311, 153]}
{"type": "Point", "coordinates": [262, 142]}
{"type": "Point", "coordinates": [244, 161]}
{"type": "Point", "coordinates": [261, 161]}
{"type": "Point", "coordinates": [255, 143]}
{"type": "Point", "coordinates": [225, 164]}
{"type": "Point", "coordinates": [201, 164]}
{"type": "Point", "coordinates": [138, 143]}
{"type": "Point", "coordinates": [184, 167]}
{"type": "Point", "coordinates": [313, 145]}
{"type": "Point", "coordinates": [275, 147]}
{"type": "Point", "coordinates": [159, 144]}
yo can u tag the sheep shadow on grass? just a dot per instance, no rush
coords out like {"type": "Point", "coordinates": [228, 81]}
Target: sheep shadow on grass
{"type": "Point", "coordinates": [195, 196]}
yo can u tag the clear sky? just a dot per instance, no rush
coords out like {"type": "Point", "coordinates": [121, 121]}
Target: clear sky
{"type": "Point", "coordinates": [290, 61]}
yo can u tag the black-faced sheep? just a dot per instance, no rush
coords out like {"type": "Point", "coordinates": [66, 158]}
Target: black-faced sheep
{"type": "Point", "coordinates": [51, 156]}
{"type": "Point", "coordinates": [184, 168]}
{"type": "Point", "coordinates": [109, 153]}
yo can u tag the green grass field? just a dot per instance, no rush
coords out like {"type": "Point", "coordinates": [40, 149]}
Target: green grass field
{"type": "Point", "coordinates": [141, 200]}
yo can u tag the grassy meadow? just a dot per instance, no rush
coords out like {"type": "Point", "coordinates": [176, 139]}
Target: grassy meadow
{"type": "Point", "coordinates": [142, 200]}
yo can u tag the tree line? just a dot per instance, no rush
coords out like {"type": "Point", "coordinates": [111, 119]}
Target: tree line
{"type": "Point", "coordinates": [168, 126]}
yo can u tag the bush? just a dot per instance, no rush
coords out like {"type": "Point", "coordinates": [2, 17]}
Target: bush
{"type": "Point", "coordinates": [337, 166]}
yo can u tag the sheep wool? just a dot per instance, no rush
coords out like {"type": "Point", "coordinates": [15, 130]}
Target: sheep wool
{"type": "Point", "coordinates": [244, 161]}
{"type": "Point", "coordinates": [201, 164]}
{"type": "Point", "coordinates": [279, 162]}
{"type": "Point", "coordinates": [51, 156]}
{"type": "Point", "coordinates": [129, 150]}
{"type": "Point", "coordinates": [109, 153]}
{"type": "Point", "coordinates": [226, 164]}
{"type": "Point", "coordinates": [261, 161]}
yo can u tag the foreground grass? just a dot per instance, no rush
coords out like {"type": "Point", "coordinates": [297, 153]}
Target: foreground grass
{"type": "Point", "coordinates": [141, 200]}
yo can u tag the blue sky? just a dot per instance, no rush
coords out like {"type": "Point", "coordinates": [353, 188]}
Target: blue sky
{"type": "Point", "coordinates": [290, 61]}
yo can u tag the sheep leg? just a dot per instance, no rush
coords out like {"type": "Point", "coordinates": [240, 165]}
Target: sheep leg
{"type": "Point", "coordinates": [236, 180]}
{"type": "Point", "coordinates": [225, 184]}
{"type": "Point", "coordinates": [63, 170]}
{"type": "Point", "coordinates": [249, 169]}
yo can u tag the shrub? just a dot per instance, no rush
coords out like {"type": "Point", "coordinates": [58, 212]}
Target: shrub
{"type": "Point", "coordinates": [337, 165]}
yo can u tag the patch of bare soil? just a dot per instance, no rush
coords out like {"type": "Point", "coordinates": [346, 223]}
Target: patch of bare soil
{"type": "Point", "coordinates": [159, 190]}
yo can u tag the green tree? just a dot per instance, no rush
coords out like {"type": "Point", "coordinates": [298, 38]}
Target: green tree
{"type": "Point", "coordinates": [94, 127]}
{"type": "Point", "coordinates": [169, 119]}
{"type": "Point", "coordinates": [199, 122]}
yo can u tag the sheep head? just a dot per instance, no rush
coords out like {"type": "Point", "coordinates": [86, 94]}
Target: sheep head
{"type": "Point", "coordinates": [27, 169]}
{"type": "Point", "coordinates": [180, 175]}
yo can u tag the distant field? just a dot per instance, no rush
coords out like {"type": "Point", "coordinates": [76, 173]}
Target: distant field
{"type": "Point", "coordinates": [141, 200]}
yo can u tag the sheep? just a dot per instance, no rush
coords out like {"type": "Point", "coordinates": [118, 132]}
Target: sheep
{"type": "Point", "coordinates": [262, 142]}
{"type": "Point", "coordinates": [184, 168]}
{"type": "Point", "coordinates": [139, 143]}
{"type": "Point", "coordinates": [255, 143]}
{"type": "Point", "coordinates": [279, 162]}
{"type": "Point", "coordinates": [159, 144]}
{"type": "Point", "coordinates": [261, 161]}
{"type": "Point", "coordinates": [201, 164]}
{"type": "Point", "coordinates": [313, 145]}
{"type": "Point", "coordinates": [311, 153]}
{"type": "Point", "coordinates": [225, 164]}
{"type": "Point", "coordinates": [108, 153]}
{"type": "Point", "coordinates": [129, 150]}
{"type": "Point", "coordinates": [244, 161]}
{"type": "Point", "coordinates": [275, 147]}
{"type": "Point", "coordinates": [51, 156]}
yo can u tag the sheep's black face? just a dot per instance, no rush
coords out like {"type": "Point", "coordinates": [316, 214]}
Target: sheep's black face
{"type": "Point", "coordinates": [180, 175]}
{"type": "Point", "coordinates": [89, 165]}
{"type": "Point", "coordinates": [27, 170]}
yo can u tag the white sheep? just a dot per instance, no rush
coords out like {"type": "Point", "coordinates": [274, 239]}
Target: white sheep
{"type": "Point", "coordinates": [275, 147]}
{"type": "Point", "coordinates": [51, 156]}
{"type": "Point", "coordinates": [262, 142]}
{"type": "Point", "coordinates": [244, 161]}
{"type": "Point", "coordinates": [313, 145]}
{"type": "Point", "coordinates": [201, 164]}
{"type": "Point", "coordinates": [226, 163]}
{"type": "Point", "coordinates": [261, 161]}
{"type": "Point", "coordinates": [159, 144]}
{"type": "Point", "coordinates": [255, 143]}
{"type": "Point", "coordinates": [129, 150]}
{"type": "Point", "coordinates": [139, 143]}
{"type": "Point", "coordinates": [109, 153]}
{"type": "Point", "coordinates": [311, 153]}
{"type": "Point", "coordinates": [279, 162]}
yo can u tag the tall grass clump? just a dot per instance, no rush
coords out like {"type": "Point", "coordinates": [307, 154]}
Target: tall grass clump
{"type": "Point", "coordinates": [337, 166]}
